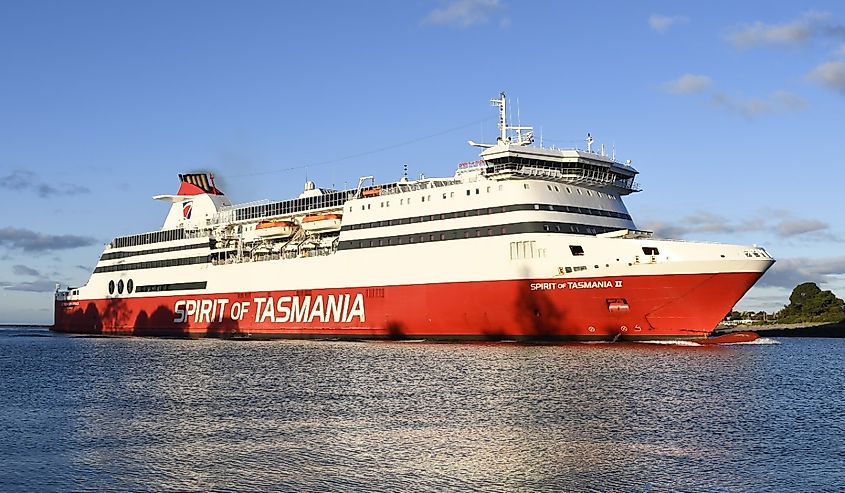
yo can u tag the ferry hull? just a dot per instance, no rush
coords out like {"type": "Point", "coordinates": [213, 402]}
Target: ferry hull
{"type": "Point", "coordinates": [681, 306]}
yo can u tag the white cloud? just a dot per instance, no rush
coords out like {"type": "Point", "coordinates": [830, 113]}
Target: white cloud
{"type": "Point", "coordinates": [779, 223]}
{"type": "Point", "coordinates": [465, 13]}
{"type": "Point", "coordinates": [789, 272]}
{"type": "Point", "coordinates": [800, 31]}
{"type": "Point", "coordinates": [793, 227]}
{"type": "Point", "coordinates": [687, 84]}
{"type": "Point", "coordinates": [661, 23]}
{"type": "Point", "coordinates": [830, 75]}
{"type": "Point", "coordinates": [776, 102]}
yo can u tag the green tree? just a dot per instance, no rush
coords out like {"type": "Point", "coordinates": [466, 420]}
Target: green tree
{"type": "Point", "coordinates": [808, 303]}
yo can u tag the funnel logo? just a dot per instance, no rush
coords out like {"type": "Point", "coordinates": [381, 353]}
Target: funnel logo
{"type": "Point", "coordinates": [187, 207]}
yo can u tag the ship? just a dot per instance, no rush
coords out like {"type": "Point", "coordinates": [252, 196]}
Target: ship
{"type": "Point", "coordinates": [528, 242]}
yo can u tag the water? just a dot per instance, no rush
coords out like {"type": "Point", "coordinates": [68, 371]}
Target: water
{"type": "Point", "coordinates": [134, 414]}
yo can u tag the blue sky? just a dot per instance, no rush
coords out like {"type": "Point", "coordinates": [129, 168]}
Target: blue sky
{"type": "Point", "coordinates": [733, 113]}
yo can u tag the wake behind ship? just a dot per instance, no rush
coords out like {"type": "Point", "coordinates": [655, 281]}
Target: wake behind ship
{"type": "Point", "coordinates": [528, 242]}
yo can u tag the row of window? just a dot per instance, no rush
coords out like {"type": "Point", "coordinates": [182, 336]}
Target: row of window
{"type": "Point", "coordinates": [328, 200]}
{"type": "Point", "coordinates": [147, 238]}
{"type": "Point", "coordinates": [117, 255]}
{"type": "Point", "coordinates": [488, 210]}
{"type": "Point", "coordinates": [456, 234]}
{"type": "Point", "coordinates": [176, 286]}
{"type": "Point", "coordinates": [129, 286]}
{"type": "Point", "coordinates": [526, 250]}
{"type": "Point", "coordinates": [153, 264]}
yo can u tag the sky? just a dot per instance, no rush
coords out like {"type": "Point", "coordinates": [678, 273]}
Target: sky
{"type": "Point", "coordinates": [733, 113]}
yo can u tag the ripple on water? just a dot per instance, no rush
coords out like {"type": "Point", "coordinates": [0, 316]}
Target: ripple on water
{"type": "Point", "coordinates": [151, 415]}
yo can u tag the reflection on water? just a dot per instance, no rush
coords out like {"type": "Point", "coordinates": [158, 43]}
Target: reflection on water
{"type": "Point", "coordinates": [150, 414]}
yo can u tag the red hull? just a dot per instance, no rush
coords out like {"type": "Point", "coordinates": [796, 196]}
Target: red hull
{"type": "Point", "coordinates": [629, 308]}
{"type": "Point", "coordinates": [732, 338]}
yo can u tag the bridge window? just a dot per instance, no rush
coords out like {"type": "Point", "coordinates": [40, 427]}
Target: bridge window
{"type": "Point", "coordinates": [650, 251]}
{"type": "Point", "coordinates": [576, 250]}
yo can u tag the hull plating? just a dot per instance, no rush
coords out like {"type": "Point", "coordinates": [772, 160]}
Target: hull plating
{"type": "Point", "coordinates": [627, 308]}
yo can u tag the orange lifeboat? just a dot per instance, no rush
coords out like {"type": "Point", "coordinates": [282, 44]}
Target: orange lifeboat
{"type": "Point", "coordinates": [321, 222]}
{"type": "Point", "coordinates": [275, 229]}
{"type": "Point", "coordinates": [372, 192]}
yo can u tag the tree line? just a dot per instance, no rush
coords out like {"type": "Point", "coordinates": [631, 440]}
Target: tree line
{"type": "Point", "coordinates": [807, 303]}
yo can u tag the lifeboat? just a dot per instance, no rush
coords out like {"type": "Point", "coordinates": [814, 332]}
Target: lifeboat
{"type": "Point", "coordinates": [321, 222]}
{"type": "Point", "coordinates": [372, 192]}
{"type": "Point", "coordinates": [275, 229]}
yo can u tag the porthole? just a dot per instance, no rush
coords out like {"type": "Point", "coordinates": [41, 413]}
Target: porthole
{"type": "Point", "coordinates": [111, 287]}
{"type": "Point", "coordinates": [130, 286]}
{"type": "Point", "coordinates": [120, 286]}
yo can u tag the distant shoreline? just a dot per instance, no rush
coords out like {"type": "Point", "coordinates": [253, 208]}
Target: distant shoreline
{"type": "Point", "coordinates": [810, 329]}
{"type": "Point", "coordinates": [6, 326]}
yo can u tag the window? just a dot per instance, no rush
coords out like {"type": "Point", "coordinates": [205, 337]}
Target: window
{"type": "Point", "coordinates": [468, 192]}
{"type": "Point", "coordinates": [568, 190]}
{"type": "Point", "coordinates": [120, 286]}
{"type": "Point", "coordinates": [576, 250]}
{"type": "Point", "coordinates": [525, 186]}
{"type": "Point", "coordinates": [557, 189]}
{"type": "Point", "coordinates": [111, 287]}
{"type": "Point", "coordinates": [476, 191]}
{"type": "Point", "coordinates": [650, 251]}
{"type": "Point", "coordinates": [130, 286]}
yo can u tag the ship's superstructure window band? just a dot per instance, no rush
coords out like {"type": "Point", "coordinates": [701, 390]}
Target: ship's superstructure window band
{"type": "Point", "coordinates": [489, 210]}
{"type": "Point", "coordinates": [118, 255]}
{"type": "Point", "coordinates": [147, 238]}
{"type": "Point", "coordinates": [329, 199]}
{"type": "Point", "coordinates": [476, 232]}
{"type": "Point", "coordinates": [176, 286]}
{"type": "Point", "coordinates": [153, 264]}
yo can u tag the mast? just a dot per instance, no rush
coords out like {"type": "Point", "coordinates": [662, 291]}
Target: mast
{"type": "Point", "coordinates": [503, 116]}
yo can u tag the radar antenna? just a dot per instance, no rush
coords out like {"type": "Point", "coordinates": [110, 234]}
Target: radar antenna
{"type": "Point", "coordinates": [504, 139]}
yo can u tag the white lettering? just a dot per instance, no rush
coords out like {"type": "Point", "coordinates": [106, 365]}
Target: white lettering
{"type": "Point", "coordinates": [259, 302]}
{"type": "Point", "coordinates": [204, 313]}
{"type": "Point", "coordinates": [300, 312]}
{"type": "Point", "coordinates": [357, 309]}
{"type": "Point", "coordinates": [317, 309]}
{"type": "Point", "coordinates": [190, 308]}
{"type": "Point", "coordinates": [221, 303]}
{"type": "Point", "coordinates": [179, 309]}
{"type": "Point", "coordinates": [269, 311]}
{"type": "Point", "coordinates": [334, 308]}
{"type": "Point", "coordinates": [283, 309]}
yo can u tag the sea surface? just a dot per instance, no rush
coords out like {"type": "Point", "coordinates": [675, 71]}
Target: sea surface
{"type": "Point", "coordinates": [139, 414]}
